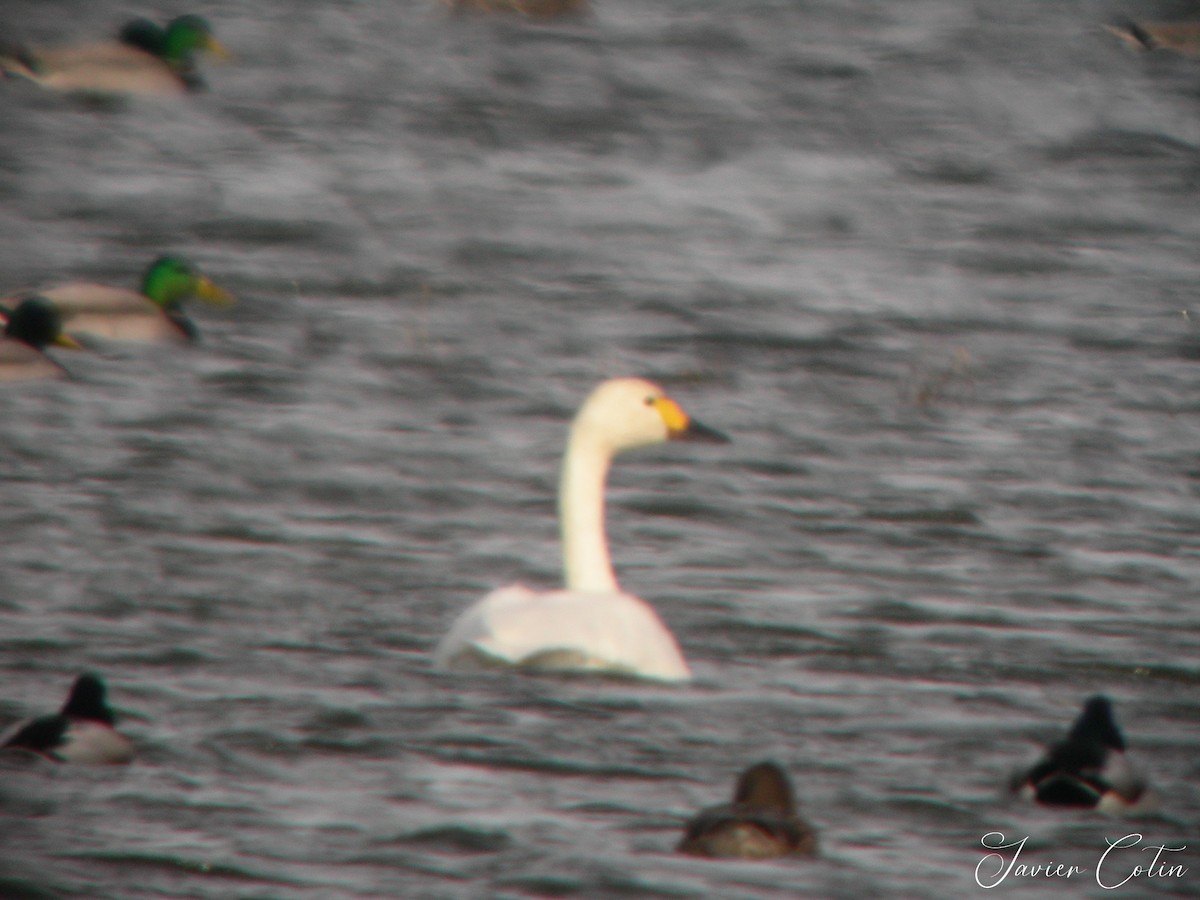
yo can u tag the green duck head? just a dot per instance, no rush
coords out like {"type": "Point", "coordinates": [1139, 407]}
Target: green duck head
{"type": "Point", "coordinates": [186, 34]}
{"type": "Point", "coordinates": [170, 280]}
{"type": "Point", "coordinates": [175, 43]}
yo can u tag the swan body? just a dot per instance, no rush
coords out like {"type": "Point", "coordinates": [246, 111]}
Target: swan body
{"type": "Point", "coordinates": [81, 732]}
{"type": "Point", "coordinates": [582, 631]}
{"type": "Point", "coordinates": [30, 327]}
{"type": "Point", "coordinates": [1088, 769]}
{"type": "Point", "coordinates": [145, 59]}
{"type": "Point", "coordinates": [760, 823]}
{"type": "Point", "coordinates": [155, 313]}
{"type": "Point", "coordinates": [591, 625]}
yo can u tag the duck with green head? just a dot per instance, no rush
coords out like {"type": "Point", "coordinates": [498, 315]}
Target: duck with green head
{"type": "Point", "coordinates": [146, 58]}
{"type": "Point", "coordinates": [153, 314]}
{"type": "Point", "coordinates": [30, 327]}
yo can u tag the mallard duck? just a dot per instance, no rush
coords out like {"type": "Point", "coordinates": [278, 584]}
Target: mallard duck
{"type": "Point", "coordinates": [154, 314]}
{"type": "Point", "coordinates": [537, 9]}
{"type": "Point", "coordinates": [592, 625]}
{"type": "Point", "coordinates": [81, 732]}
{"type": "Point", "coordinates": [1181, 37]}
{"type": "Point", "coordinates": [30, 327]}
{"type": "Point", "coordinates": [760, 822]}
{"type": "Point", "coordinates": [145, 59]}
{"type": "Point", "coordinates": [1088, 768]}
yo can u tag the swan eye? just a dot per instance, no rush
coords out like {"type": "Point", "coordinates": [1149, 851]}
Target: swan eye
{"type": "Point", "coordinates": [651, 400]}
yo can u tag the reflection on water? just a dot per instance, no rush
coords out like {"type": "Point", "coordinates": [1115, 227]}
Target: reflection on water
{"type": "Point", "coordinates": [930, 266]}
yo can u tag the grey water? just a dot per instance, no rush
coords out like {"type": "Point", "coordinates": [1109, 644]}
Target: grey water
{"type": "Point", "coordinates": [932, 265]}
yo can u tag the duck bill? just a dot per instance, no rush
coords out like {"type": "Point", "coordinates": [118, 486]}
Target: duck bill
{"type": "Point", "coordinates": [208, 291]}
{"type": "Point", "coordinates": [67, 342]}
{"type": "Point", "coordinates": [698, 432]}
{"type": "Point", "coordinates": [217, 49]}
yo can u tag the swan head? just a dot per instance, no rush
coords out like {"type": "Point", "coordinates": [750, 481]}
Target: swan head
{"type": "Point", "coordinates": [624, 413]}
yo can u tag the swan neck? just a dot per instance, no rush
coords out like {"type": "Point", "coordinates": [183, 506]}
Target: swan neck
{"type": "Point", "coordinates": [581, 514]}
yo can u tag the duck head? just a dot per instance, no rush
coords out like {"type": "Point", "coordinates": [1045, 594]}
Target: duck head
{"type": "Point", "coordinates": [185, 35]}
{"type": "Point", "coordinates": [170, 280]}
{"type": "Point", "coordinates": [37, 322]}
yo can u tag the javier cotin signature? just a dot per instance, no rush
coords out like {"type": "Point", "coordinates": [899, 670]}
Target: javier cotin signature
{"type": "Point", "coordinates": [1113, 869]}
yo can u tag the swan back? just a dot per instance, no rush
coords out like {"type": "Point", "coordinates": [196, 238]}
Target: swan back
{"type": "Point", "coordinates": [563, 630]}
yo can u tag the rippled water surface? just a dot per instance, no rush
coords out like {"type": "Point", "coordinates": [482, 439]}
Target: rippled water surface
{"type": "Point", "coordinates": [932, 264]}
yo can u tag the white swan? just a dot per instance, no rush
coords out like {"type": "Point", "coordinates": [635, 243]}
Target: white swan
{"type": "Point", "coordinates": [591, 624]}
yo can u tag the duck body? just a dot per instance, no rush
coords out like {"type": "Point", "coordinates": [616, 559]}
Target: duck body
{"type": "Point", "coordinates": [117, 313]}
{"type": "Point", "coordinates": [760, 823]}
{"type": "Point", "coordinates": [145, 59]}
{"type": "Point", "coordinates": [1179, 37]}
{"type": "Point", "coordinates": [31, 326]}
{"type": "Point", "coordinates": [81, 732]}
{"type": "Point", "coordinates": [153, 314]}
{"type": "Point", "coordinates": [100, 69]}
{"type": "Point", "coordinates": [591, 625]}
{"type": "Point", "coordinates": [1088, 769]}
{"type": "Point", "coordinates": [20, 362]}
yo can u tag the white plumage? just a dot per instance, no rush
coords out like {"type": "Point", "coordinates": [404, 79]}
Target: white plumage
{"type": "Point", "coordinates": [591, 625]}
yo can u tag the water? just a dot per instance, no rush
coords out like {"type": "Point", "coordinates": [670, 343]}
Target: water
{"type": "Point", "coordinates": [931, 264]}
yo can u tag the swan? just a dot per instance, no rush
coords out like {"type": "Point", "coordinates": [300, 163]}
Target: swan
{"type": "Point", "coordinates": [29, 328]}
{"type": "Point", "coordinates": [590, 625]}
{"type": "Point", "coordinates": [1088, 769]}
{"type": "Point", "coordinates": [146, 58]}
{"type": "Point", "coordinates": [760, 823]}
{"type": "Point", "coordinates": [154, 313]}
{"type": "Point", "coordinates": [81, 732]}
